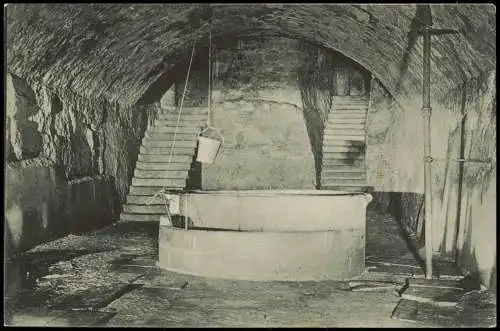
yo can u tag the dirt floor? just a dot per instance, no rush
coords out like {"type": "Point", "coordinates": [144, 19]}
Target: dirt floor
{"type": "Point", "coordinates": [109, 277]}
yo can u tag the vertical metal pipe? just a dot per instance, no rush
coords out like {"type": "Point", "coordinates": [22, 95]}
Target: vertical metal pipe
{"type": "Point", "coordinates": [426, 110]}
{"type": "Point", "coordinates": [461, 165]}
{"type": "Point", "coordinates": [426, 88]}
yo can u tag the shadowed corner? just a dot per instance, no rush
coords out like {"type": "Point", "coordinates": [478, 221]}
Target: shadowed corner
{"type": "Point", "coordinates": [179, 221]}
{"type": "Point", "coordinates": [422, 18]}
{"type": "Point", "coordinates": [356, 152]}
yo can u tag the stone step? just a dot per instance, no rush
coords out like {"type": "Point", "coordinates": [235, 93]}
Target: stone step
{"type": "Point", "coordinates": [182, 123]}
{"type": "Point", "coordinates": [342, 182]}
{"type": "Point", "coordinates": [171, 174]}
{"type": "Point", "coordinates": [343, 176]}
{"type": "Point", "coordinates": [346, 188]}
{"type": "Point", "coordinates": [347, 143]}
{"type": "Point", "coordinates": [159, 182]}
{"type": "Point", "coordinates": [344, 137]}
{"type": "Point", "coordinates": [349, 101]}
{"type": "Point", "coordinates": [349, 110]}
{"type": "Point", "coordinates": [347, 132]}
{"type": "Point", "coordinates": [345, 126]}
{"type": "Point", "coordinates": [180, 136]}
{"type": "Point", "coordinates": [165, 158]}
{"type": "Point", "coordinates": [185, 110]}
{"type": "Point", "coordinates": [139, 217]}
{"type": "Point", "coordinates": [347, 148]}
{"type": "Point", "coordinates": [342, 156]}
{"type": "Point", "coordinates": [342, 120]}
{"type": "Point", "coordinates": [167, 150]}
{"type": "Point", "coordinates": [147, 190]}
{"type": "Point", "coordinates": [329, 163]}
{"type": "Point", "coordinates": [186, 117]}
{"type": "Point", "coordinates": [333, 171]}
{"type": "Point", "coordinates": [162, 166]}
{"type": "Point", "coordinates": [152, 142]}
{"type": "Point", "coordinates": [351, 97]}
{"type": "Point", "coordinates": [347, 107]}
{"type": "Point", "coordinates": [181, 130]}
{"type": "Point", "coordinates": [144, 200]}
{"type": "Point", "coordinates": [144, 209]}
{"type": "Point", "coordinates": [346, 119]}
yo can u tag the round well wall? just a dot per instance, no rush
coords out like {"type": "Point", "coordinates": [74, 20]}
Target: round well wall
{"type": "Point", "coordinates": [268, 235]}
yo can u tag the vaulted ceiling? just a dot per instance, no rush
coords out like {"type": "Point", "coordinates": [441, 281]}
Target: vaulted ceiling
{"type": "Point", "coordinates": [117, 51]}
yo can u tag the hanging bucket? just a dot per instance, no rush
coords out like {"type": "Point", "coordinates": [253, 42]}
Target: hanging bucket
{"type": "Point", "coordinates": [208, 147]}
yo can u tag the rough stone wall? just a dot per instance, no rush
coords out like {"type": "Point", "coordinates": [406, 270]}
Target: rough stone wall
{"type": "Point", "coordinates": [90, 147]}
{"type": "Point", "coordinates": [470, 219]}
{"type": "Point", "coordinates": [463, 207]}
{"type": "Point", "coordinates": [24, 141]}
{"type": "Point", "coordinates": [82, 137]}
{"type": "Point", "coordinates": [123, 132]}
{"type": "Point", "coordinates": [40, 205]}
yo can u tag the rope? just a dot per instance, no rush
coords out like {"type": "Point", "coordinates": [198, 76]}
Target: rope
{"type": "Point", "coordinates": [209, 77]}
{"type": "Point", "coordinates": [162, 192]}
{"type": "Point", "coordinates": [209, 113]}
{"type": "Point", "coordinates": [180, 108]}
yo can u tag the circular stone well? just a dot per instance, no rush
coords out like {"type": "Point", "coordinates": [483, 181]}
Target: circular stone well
{"type": "Point", "coordinates": [268, 235]}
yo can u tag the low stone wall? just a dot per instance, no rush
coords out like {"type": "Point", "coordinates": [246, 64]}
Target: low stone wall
{"type": "Point", "coordinates": [41, 206]}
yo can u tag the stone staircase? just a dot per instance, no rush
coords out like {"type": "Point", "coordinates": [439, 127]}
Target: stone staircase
{"type": "Point", "coordinates": [344, 142]}
{"type": "Point", "coordinates": [153, 170]}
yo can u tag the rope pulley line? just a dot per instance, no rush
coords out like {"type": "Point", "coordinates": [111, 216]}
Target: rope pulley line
{"type": "Point", "coordinates": [163, 192]}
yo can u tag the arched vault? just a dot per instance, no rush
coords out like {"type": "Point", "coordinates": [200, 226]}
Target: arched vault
{"type": "Point", "coordinates": [116, 51]}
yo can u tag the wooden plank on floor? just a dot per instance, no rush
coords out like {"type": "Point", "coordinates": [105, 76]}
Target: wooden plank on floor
{"type": "Point", "coordinates": [393, 260]}
{"type": "Point", "coordinates": [406, 270]}
{"type": "Point", "coordinates": [439, 283]}
{"type": "Point", "coordinates": [353, 283]}
{"type": "Point", "coordinates": [406, 310]}
{"type": "Point", "coordinates": [439, 316]}
{"type": "Point", "coordinates": [94, 298]}
{"type": "Point", "coordinates": [230, 294]}
{"type": "Point", "coordinates": [380, 276]}
{"type": "Point", "coordinates": [142, 272]}
{"type": "Point", "coordinates": [376, 288]}
{"type": "Point", "coordinates": [413, 311]}
{"type": "Point", "coordinates": [443, 297]}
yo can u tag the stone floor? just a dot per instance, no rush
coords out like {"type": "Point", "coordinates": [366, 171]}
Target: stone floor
{"type": "Point", "coordinates": [109, 278]}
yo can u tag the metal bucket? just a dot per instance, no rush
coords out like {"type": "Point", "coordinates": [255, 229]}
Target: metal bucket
{"type": "Point", "coordinates": [208, 148]}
